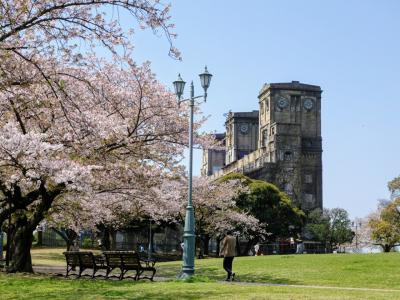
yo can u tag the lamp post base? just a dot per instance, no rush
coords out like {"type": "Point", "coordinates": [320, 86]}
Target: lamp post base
{"type": "Point", "coordinates": [183, 275]}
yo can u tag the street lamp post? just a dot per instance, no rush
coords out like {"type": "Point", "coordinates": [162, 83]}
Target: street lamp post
{"type": "Point", "coordinates": [189, 230]}
{"type": "Point", "coordinates": [1, 244]}
{"type": "Point", "coordinates": [150, 248]}
{"type": "Point", "coordinates": [357, 224]}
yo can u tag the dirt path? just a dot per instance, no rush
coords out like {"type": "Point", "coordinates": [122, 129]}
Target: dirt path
{"type": "Point", "coordinates": [310, 286]}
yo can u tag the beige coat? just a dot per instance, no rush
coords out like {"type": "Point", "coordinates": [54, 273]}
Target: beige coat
{"type": "Point", "coordinates": [228, 246]}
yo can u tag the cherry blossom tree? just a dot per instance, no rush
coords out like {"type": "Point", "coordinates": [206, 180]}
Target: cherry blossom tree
{"type": "Point", "coordinates": [99, 151]}
{"type": "Point", "coordinates": [362, 232]}
{"type": "Point", "coordinates": [81, 137]}
{"type": "Point", "coordinates": [215, 209]}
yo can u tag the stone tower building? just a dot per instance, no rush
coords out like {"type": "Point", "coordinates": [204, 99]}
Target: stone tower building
{"type": "Point", "coordinates": [287, 148]}
{"type": "Point", "coordinates": [241, 135]}
{"type": "Point", "coordinates": [213, 160]}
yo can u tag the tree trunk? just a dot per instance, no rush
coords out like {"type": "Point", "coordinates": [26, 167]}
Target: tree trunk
{"type": "Point", "coordinates": [68, 235]}
{"type": "Point", "coordinates": [20, 246]}
{"type": "Point", "coordinates": [386, 248]}
{"type": "Point", "coordinates": [113, 242]}
{"type": "Point", "coordinates": [106, 239]}
{"type": "Point", "coordinates": [40, 238]}
{"type": "Point", "coordinates": [25, 222]}
{"type": "Point", "coordinates": [218, 245]}
{"type": "Point", "coordinates": [152, 241]}
{"type": "Point", "coordinates": [249, 245]}
{"type": "Point", "coordinates": [199, 247]}
{"type": "Point", "coordinates": [238, 252]}
{"type": "Point", "coordinates": [206, 243]}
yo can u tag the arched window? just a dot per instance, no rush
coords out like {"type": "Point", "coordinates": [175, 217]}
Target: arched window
{"type": "Point", "coordinates": [287, 156]}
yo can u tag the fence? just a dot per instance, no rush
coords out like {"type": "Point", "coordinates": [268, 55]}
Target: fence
{"type": "Point", "coordinates": [168, 243]}
{"type": "Point", "coordinates": [287, 248]}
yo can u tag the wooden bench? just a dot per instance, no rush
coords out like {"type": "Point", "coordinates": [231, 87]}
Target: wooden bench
{"type": "Point", "coordinates": [129, 261]}
{"type": "Point", "coordinates": [84, 260]}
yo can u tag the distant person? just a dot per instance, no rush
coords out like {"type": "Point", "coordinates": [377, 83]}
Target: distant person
{"type": "Point", "coordinates": [300, 247]}
{"type": "Point", "coordinates": [257, 250]}
{"type": "Point", "coordinates": [228, 251]}
{"type": "Point", "coordinates": [292, 245]}
{"type": "Point", "coordinates": [75, 246]}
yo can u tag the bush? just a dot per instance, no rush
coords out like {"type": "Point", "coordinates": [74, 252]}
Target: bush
{"type": "Point", "coordinates": [87, 242]}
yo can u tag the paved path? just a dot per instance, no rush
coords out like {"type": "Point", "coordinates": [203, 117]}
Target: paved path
{"type": "Point", "coordinates": [61, 271]}
{"type": "Point", "coordinates": [309, 286]}
{"type": "Point", "coordinates": [49, 270]}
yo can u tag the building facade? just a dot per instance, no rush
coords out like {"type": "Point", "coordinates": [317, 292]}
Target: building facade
{"type": "Point", "coordinates": [213, 160]}
{"type": "Point", "coordinates": [281, 143]}
{"type": "Point", "coordinates": [241, 135]}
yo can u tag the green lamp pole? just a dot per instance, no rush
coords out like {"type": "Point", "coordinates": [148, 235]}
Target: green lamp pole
{"type": "Point", "coordinates": [189, 230]}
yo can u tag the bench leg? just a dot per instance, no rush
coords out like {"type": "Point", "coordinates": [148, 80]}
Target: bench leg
{"type": "Point", "coordinates": [80, 272]}
{"type": "Point", "coordinates": [66, 275]}
{"type": "Point", "coordinates": [121, 276]}
{"type": "Point", "coordinates": [137, 276]}
{"type": "Point", "coordinates": [152, 276]}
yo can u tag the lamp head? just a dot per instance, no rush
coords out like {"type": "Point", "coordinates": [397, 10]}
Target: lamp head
{"type": "Point", "coordinates": [179, 86]}
{"type": "Point", "coordinates": [205, 79]}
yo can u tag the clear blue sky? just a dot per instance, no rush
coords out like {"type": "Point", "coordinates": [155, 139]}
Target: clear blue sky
{"type": "Point", "coordinates": [350, 48]}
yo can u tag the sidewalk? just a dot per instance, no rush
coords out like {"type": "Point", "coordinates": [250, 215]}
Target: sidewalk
{"type": "Point", "coordinates": [61, 271]}
{"type": "Point", "coordinates": [51, 270]}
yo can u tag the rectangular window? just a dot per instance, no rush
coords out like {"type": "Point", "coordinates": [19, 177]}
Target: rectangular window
{"type": "Point", "coordinates": [215, 169]}
{"type": "Point", "coordinates": [309, 198]}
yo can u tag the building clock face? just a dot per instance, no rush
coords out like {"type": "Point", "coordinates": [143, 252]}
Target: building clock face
{"type": "Point", "coordinates": [308, 104]}
{"type": "Point", "coordinates": [244, 128]}
{"type": "Point", "coordinates": [282, 102]}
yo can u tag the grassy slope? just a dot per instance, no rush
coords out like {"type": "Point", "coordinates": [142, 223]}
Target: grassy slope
{"type": "Point", "coordinates": [344, 270]}
{"type": "Point", "coordinates": [380, 271]}
{"type": "Point", "coordinates": [36, 287]}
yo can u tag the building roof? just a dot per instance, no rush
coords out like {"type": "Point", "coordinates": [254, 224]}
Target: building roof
{"type": "Point", "coordinates": [294, 85]}
{"type": "Point", "coordinates": [219, 136]}
{"type": "Point", "coordinates": [248, 114]}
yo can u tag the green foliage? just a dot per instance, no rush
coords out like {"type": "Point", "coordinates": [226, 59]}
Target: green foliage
{"type": "Point", "coordinates": [394, 187]}
{"type": "Point", "coordinates": [330, 226]}
{"type": "Point", "coordinates": [4, 240]}
{"type": "Point", "coordinates": [87, 243]}
{"type": "Point", "coordinates": [318, 225]}
{"type": "Point", "coordinates": [269, 205]}
{"type": "Point", "coordinates": [233, 176]}
{"type": "Point", "coordinates": [385, 226]}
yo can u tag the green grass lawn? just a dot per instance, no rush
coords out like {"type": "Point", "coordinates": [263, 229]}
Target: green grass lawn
{"type": "Point", "coordinates": [374, 276]}
{"type": "Point", "coordinates": [41, 287]}
{"type": "Point", "coordinates": [51, 256]}
{"type": "Point", "coordinates": [345, 270]}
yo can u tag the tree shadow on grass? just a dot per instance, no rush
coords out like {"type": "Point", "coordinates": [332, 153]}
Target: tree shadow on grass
{"type": "Point", "coordinates": [217, 274]}
{"type": "Point", "coordinates": [265, 278]}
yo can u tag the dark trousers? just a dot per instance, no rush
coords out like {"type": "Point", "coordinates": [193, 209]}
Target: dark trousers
{"type": "Point", "coordinates": [228, 265]}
